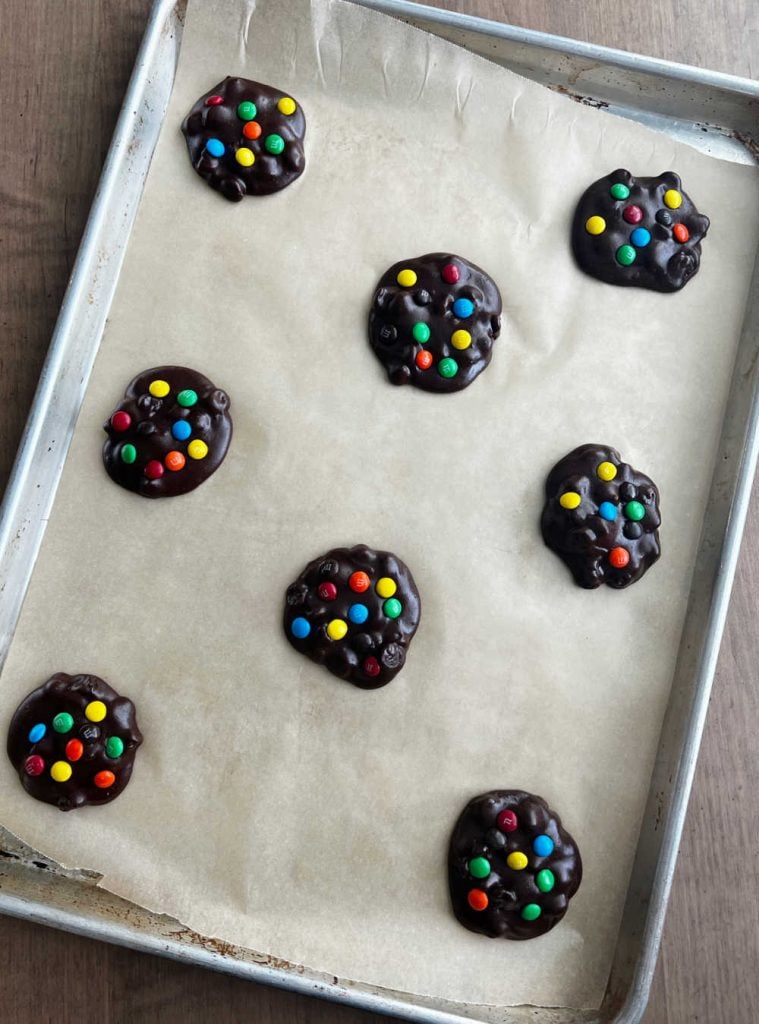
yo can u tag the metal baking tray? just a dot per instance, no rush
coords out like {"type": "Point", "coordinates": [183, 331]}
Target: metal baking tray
{"type": "Point", "coordinates": [715, 113]}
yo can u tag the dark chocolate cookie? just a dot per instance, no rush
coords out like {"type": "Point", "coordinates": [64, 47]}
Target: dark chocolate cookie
{"type": "Point", "coordinates": [169, 434]}
{"type": "Point", "coordinates": [512, 868]}
{"type": "Point", "coordinates": [638, 231]}
{"type": "Point", "coordinates": [73, 741]}
{"type": "Point", "coordinates": [433, 321]}
{"type": "Point", "coordinates": [601, 517]}
{"type": "Point", "coordinates": [246, 138]}
{"type": "Point", "coordinates": [355, 611]}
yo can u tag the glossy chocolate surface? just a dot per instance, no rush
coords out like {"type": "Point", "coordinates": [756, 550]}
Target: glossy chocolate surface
{"type": "Point", "coordinates": [372, 651]}
{"type": "Point", "coordinates": [621, 514]}
{"type": "Point", "coordinates": [64, 695]}
{"type": "Point", "coordinates": [478, 863]}
{"type": "Point", "coordinates": [397, 309]}
{"type": "Point", "coordinates": [150, 434]}
{"type": "Point", "coordinates": [275, 139]}
{"type": "Point", "coordinates": [672, 254]}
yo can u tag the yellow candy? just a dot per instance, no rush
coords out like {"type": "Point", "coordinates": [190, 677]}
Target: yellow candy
{"type": "Point", "coordinates": [595, 225]}
{"type": "Point", "coordinates": [159, 389]}
{"type": "Point", "coordinates": [197, 449]}
{"type": "Point", "coordinates": [337, 629]}
{"type": "Point", "coordinates": [570, 499]}
{"type": "Point", "coordinates": [95, 711]}
{"type": "Point", "coordinates": [461, 339]}
{"type": "Point", "coordinates": [516, 861]}
{"type": "Point", "coordinates": [606, 471]}
{"type": "Point", "coordinates": [673, 199]}
{"type": "Point", "coordinates": [61, 771]}
{"type": "Point", "coordinates": [286, 106]}
{"type": "Point", "coordinates": [385, 587]}
{"type": "Point", "coordinates": [245, 157]}
{"type": "Point", "coordinates": [406, 278]}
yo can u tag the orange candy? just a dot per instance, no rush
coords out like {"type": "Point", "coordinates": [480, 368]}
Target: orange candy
{"type": "Point", "coordinates": [359, 582]}
{"type": "Point", "coordinates": [619, 557]}
{"type": "Point", "coordinates": [74, 750]}
{"type": "Point", "coordinates": [424, 359]}
{"type": "Point", "coordinates": [681, 233]}
{"type": "Point", "coordinates": [174, 461]}
{"type": "Point", "coordinates": [477, 899]}
{"type": "Point", "coordinates": [104, 780]}
{"type": "Point", "coordinates": [251, 129]}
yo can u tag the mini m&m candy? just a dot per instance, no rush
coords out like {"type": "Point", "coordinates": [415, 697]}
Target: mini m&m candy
{"type": "Point", "coordinates": [355, 611]}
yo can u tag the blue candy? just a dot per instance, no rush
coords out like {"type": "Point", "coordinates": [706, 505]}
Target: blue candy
{"type": "Point", "coordinates": [640, 237]}
{"type": "Point", "coordinates": [358, 613]}
{"type": "Point", "coordinates": [300, 628]}
{"type": "Point", "coordinates": [181, 430]}
{"type": "Point", "coordinates": [37, 732]}
{"type": "Point", "coordinates": [463, 308]}
{"type": "Point", "coordinates": [608, 511]}
{"type": "Point", "coordinates": [543, 846]}
{"type": "Point", "coordinates": [215, 147]}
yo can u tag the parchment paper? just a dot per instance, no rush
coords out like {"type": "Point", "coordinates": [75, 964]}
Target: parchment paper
{"type": "Point", "coordinates": [272, 804]}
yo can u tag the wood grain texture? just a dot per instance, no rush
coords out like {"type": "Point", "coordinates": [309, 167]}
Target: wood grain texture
{"type": "Point", "coordinates": [63, 72]}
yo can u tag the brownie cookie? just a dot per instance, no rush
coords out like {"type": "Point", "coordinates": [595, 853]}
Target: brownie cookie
{"type": "Point", "coordinates": [638, 231]}
{"type": "Point", "coordinates": [73, 741]}
{"type": "Point", "coordinates": [246, 138]}
{"type": "Point", "coordinates": [601, 517]}
{"type": "Point", "coordinates": [355, 611]}
{"type": "Point", "coordinates": [433, 321]}
{"type": "Point", "coordinates": [169, 434]}
{"type": "Point", "coordinates": [512, 868]}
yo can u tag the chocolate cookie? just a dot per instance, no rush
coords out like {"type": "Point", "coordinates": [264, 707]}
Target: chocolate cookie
{"type": "Point", "coordinates": [512, 868]}
{"type": "Point", "coordinates": [638, 231]}
{"type": "Point", "coordinates": [73, 741]}
{"type": "Point", "coordinates": [246, 138]}
{"type": "Point", "coordinates": [354, 610]}
{"type": "Point", "coordinates": [434, 320]}
{"type": "Point", "coordinates": [601, 517]}
{"type": "Point", "coordinates": [169, 434]}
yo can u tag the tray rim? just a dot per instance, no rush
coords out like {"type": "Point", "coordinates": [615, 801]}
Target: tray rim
{"type": "Point", "coordinates": [79, 921]}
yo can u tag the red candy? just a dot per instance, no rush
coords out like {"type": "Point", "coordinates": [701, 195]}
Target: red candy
{"type": "Point", "coordinates": [214, 101]}
{"type": "Point", "coordinates": [507, 821]}
{"type": "Point", "coordinates": [450, 273]}
{"type": "Point", "coordinates": [34, 765]}
{"type": "Point", "coordinates": [477, 899]}
{"type": "Point", "coordinates": [327, 591]}
{"type": "Point", "coordinates": [633, 214]}
{"type": "Point", "coordinates": [424, 359]}
{"type": "Point", "coordinates": [371, 666]}
{"type": "Point", "coordinates": [681, 233]}
{"type": "Point", "coordinates": [74, 750]}
{"type": "Point", "coordinates": [121, 421]}
{"type": "Point", "coordinates": [619, 557]}
{"type": "Point", "coordinates": [154, 470]}
{"type": "Point", "coordinates": [104, 780]}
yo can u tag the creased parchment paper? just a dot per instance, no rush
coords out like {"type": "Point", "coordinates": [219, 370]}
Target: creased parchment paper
{"type": "Point", "coordinates": [272, 804]}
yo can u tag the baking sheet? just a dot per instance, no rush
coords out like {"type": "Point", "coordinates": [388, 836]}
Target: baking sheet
{"type": "Point", "coordinates": [272, 804]}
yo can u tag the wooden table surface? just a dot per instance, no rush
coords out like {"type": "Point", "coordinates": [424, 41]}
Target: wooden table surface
{"type": "Point", "coordinates": [63, 71]}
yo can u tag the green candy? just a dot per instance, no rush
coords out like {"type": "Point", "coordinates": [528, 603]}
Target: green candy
{"type": "Point", "coordinates": [620, 191]}
{"type": "Point", "coordinates": [635, 511]}
{"type": "Point", "coordinates": [274, 144]}
{"type": "Point", "coordinates": [63, 722]}
{"type": "Point", "coordinates": [479, 867]}
{"type": "Point", "coordinates": [128, 453]}
{"type": "Point", "coordinates": [187, 398]}
{"type": "Point", "coordinates": [246, 111]}
{"type": "Point", "coordinates": [545, 880]}
{"type": "Point", "coordinates": [421, 333]}
{"type": "Point", "coordinates": [625, 255]}
{"type": "Point", "coordinates": [392, 608]}
{"type": "Point", "coordinates": [448, 367]}
{"type": "Point", "coordinates": [114, 747]}
{"type": "Point", "coordinates": [531, 912]}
